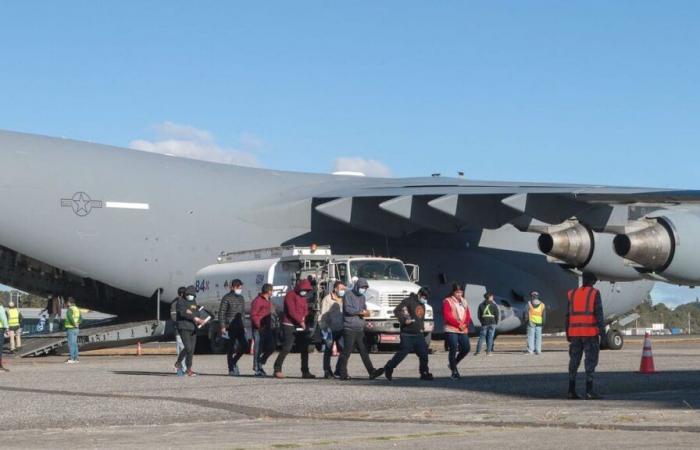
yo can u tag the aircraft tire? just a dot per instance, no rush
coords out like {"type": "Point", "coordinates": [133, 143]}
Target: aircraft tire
{"type": "Point", "coordinates": [615, 340]}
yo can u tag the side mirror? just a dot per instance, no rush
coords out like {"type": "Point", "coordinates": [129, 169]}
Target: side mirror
{"type": "Point", "coordinates": [413, 272]}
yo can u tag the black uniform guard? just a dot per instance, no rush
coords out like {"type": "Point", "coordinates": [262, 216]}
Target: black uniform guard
{"type": "Point", "coordinates": [187, 321]}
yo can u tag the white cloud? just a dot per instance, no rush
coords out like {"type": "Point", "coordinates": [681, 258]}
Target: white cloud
{"type": "Point", "coordinates": [187, 141]}
{"type": "Point", "coordinates": [370, 167]}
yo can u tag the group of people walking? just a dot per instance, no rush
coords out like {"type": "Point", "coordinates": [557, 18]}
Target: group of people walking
{"type": "Point", "coordinates": [342, 326]}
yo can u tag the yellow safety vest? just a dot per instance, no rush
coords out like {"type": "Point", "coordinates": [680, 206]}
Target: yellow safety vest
{"type": "Point", "coordinates": [12, 317]}
{"type": "Point", "coordinates": [75, 313]}
{"type": "Point", "coordinates": [536, 313]}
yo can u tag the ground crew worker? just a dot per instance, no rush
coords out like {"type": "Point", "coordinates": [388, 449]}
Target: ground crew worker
{"type": "Point", "coordinates": [535, 322]}
{"type": "Point", "coordinates": [187, 322]}
{"type": "Point", "coordinates": [488, 316]}
{"type": "Point", "coordinates": [72, 326]}
{"type": "Point", "coordinates": [264, 321]}
{"type": "Point", "coordinates": [585, 326]}
{"type": "Point", "coordinates": [173, 316]}
{"type": "Point", "coordinates": [456, 317]}
{"type": "Point", "coordinates": [3, 327]}
{"type": "Point", "coordinates": [53, 309]}
{"type": "Point", "coordinates": [14, 322]}
{"type": "Point", "coordinates": [354, 313]}
{"type": "Point", "coordinates": [331, 323]}
{"type": "Point", "coordinates": [294, 329]}
{"type": "Point", "coordinates": [231, 311]}
{"type": "Point", "coordinates": [411, 315]}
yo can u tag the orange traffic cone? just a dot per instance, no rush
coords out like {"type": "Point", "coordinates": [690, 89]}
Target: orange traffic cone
{"type": "Point", "coordinates": [139, 352]}
{"type": "Point", "coordinates": [334, 350]}
{"type": "Point", "coordinates": [647, 365]}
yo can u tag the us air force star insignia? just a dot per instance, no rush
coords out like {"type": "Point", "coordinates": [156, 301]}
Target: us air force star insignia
{"type": "Point", "coordinates": [81, 203]}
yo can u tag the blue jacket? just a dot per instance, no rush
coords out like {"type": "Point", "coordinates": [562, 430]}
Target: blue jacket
{"type": "Point", "coordinates": [353, 304]}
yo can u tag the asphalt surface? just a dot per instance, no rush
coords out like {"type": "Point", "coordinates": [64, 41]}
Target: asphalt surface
{"type": "Point", "coordinates": [507, 400]}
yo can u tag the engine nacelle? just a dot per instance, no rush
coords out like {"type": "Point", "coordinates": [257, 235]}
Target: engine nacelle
{"type": "Point", "coordinates": [664, 246]}
{"type": "Point", "coordinates": [579, 247]}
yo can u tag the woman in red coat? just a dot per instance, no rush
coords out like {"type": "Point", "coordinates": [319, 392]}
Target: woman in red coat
{"type": "Point", "coordinates": [456, 317]}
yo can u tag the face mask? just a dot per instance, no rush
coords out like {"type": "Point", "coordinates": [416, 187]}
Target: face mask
{"type": "Point", "coordinates": [302, 293]}
{"type": "Point", "coordinates": [536, 301]}
{"type": "Point", "coordinates": [190, 297]}
{"type": "Point", "coordinates": [238, 291]}
{"type": "Point", "coordinates": [362, 291]}
{"type": "Point", "coordinates": [341, 293]}
{"type": "Point", "coordinates": [423, 300]}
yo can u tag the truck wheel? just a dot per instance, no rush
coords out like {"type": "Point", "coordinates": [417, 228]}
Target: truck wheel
{"type": "Point", "coordinates": [615, 340]}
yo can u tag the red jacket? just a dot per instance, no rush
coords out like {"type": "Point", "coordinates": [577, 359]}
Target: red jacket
{"type": "Point", "coordinates": [260, 311]}
{"type": "Point", "coordinates": [452, 322]}
{"type": "Point", "coordinates": [296, 307]}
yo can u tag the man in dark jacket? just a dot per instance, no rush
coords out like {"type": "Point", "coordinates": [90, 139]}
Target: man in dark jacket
{"type": "Point", "coordinates": [187, 321]}
{"type": "Point", "coordinates": [354, 313]}
{"type": "Point", "coordinates": [231, 311]}
{"type": "Point", "coordinates": [489, 315]}
{"type": "Point", "coordinates": [173, 316]}
{"type": "Point", "coordinates": [296, 308]}
{"type": "Point", "coordinates": [411, 314]}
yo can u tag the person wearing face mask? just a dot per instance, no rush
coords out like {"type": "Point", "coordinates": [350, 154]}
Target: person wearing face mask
{"type": "Point", "coordinates": [354, 313]}
{"type": "Point", "coordinates": [411, 315]}
{"type": "Point", "coordinates": [231, 311]}
{"type": "Point", "coordinates": [455, 314]}
{"type": "Point", "coordinates": [187, 322]}
{"type": "Point", "coordinates": [263, 319]}
{"type": "Point", "coordinates": [173, 315]}
{"type": "Point", "coordinates": [294, 329]}
{"type": "Point", "coordinates": [488, 317]}
{"type": "Point", "coordinates": [535, 322]}
{"type": "Point", "coordinates": [331, 323]}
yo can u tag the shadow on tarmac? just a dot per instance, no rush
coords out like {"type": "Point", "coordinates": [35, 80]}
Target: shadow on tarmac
{"type": "Point", "coordinates": [671, 389]}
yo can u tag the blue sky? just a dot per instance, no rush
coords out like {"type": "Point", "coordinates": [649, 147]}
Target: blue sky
{"type": "Point", "coordinates": [589, 92]}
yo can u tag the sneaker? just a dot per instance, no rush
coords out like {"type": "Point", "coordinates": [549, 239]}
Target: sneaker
{"type": "Point", "coordinates": [388, 373]}
{"type": "Point", "coordinates": [377, 373]}
{"type": "Point", "coordinates": [572, 395]}
{"type": "Point", "coordinates": [328, 375]}
{"type": "Point", "coordinates": [236, 371]}
{"type": "Point", "coordinates": [262, 372]}
{"type": "Point", "coordinates": [427, 376]}
{"type": "Point", "coordinates": [455, 375]}
{"type": "Point", "coordinates": [70, 361]}
{"type": "Point", "coordinates": [308, 376]}
{"type": "Point", "coordinates": [279, 375]}
{"type": "Point", "coordinates": [259, 373]}
{"type": "Point", "coordinates": [191, 373]}
{"type": "Point", "coordinates": [345, 378]}
{"type": "Point", "coordinates": [231, 373]}
{"type": "Point", "coordinates": [593, 396]}
{"type": "Point", "coordinates": [476, 353]}
{"type": "Point", "coordinates": [488, 353]}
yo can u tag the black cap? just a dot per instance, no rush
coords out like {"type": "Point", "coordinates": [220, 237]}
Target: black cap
{"type": "Point", "coordinates": [236, 283]}
{"type": "Point", "coordinates": [181, 290]}
{"type": "Point", "coordinates": [589, 278]}
{"type": "Point", "coordinates": [190, 290]}
{"type": "Point", "coordinates": [424, 290]}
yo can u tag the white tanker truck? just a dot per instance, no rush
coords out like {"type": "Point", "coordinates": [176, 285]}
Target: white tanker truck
{"type": "Point", "coordinates": [390, 281]}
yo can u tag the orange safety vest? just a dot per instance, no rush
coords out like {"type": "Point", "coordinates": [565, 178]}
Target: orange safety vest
{"type": "Point", "coordinates": [582, 321]}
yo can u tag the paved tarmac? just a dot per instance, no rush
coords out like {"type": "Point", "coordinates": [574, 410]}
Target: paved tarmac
{"type": "Point", "coordinates": [507, 400]}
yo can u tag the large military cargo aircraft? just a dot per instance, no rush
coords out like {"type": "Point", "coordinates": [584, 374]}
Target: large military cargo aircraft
{"type": "Point", "coordinates": [111, 226]}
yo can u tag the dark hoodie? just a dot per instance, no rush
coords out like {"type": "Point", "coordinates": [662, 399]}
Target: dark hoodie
{"type": "Point", "coordinates": [296, 307]}
{"type": "Point", "coordinates": [353, 305]}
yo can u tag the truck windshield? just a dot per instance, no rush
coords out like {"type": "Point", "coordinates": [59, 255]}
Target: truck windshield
{"type": "Point", "coordinates": [378, 269]}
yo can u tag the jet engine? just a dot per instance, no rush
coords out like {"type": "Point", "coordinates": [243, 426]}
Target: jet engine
{"type": "Point", "coordinates": [579, 247]}
{"type": "Point", "coordinates": [663, 246]}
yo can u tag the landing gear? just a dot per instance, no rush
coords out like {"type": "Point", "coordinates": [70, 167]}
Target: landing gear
{"type": "Point", "coordinates": [614, 340]}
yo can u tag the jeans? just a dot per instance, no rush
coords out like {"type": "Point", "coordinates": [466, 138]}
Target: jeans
{"type": "Point", "coordinates": [411, 343]}
{"type": "Point", "coordinates": [577, 347]}
{"type": "Point", "coordinates": [487, 332]}
{"type": "Point", "coordinates": [179, 346]}
{"type": "Point", "coordinates": [353, 339]}
{"type": "Point", "coordinates": [534, 338]}
{"type": "Point", "coordinates": [264, 346]}
{"type": "Point", "coordinates": [72, 335]}
{"type": "Point", "coordinates": [457, 342]}
{"type": "Point", "coordinates": [337, 337]}
{"type": "Point", "coordinates": [291, 336]}
{"type": "Point", "coordinates": [236, 346]}
{"type": "Point", "coordinates": [189, 340]}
